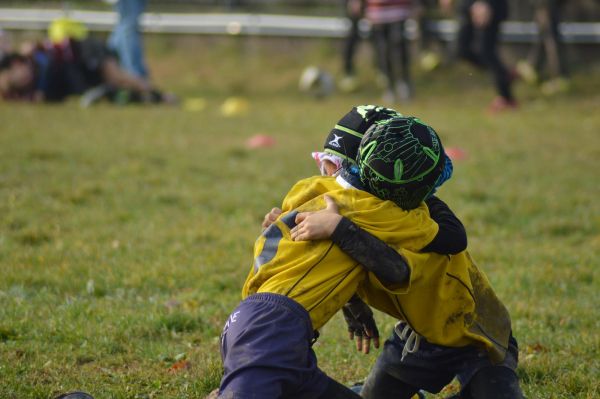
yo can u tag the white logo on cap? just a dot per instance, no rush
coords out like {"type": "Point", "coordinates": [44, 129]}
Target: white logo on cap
{"type": "Point", "coordinates": [335, 141]}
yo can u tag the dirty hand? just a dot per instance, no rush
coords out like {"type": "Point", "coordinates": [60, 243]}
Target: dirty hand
{"type": "Point", "coordinates": [361, 324]}
{"type": "Point", "coordinates": [271, 217]}
{"type": "Point", "coordinates": [316, 225]}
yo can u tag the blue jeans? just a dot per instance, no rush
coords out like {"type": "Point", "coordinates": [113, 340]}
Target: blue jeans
{"type": "Point", "coordinates": [126, 39]}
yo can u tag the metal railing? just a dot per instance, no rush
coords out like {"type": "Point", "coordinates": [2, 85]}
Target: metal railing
{"type": "Point", "coordinates": [269, 25]}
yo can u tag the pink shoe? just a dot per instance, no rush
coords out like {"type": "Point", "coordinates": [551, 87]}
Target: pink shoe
{"type": "Point", "coordinates": [501, 104]}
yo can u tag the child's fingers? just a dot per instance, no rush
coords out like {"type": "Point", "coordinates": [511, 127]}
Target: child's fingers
{"type": "Point", "coordinates": [331, 205]}
{"type": "Point", "coordinates": [298, 232]}
{"type": "Point", "coordinates": [271, 217]}
{"type": "Point", "coordinates": [268, 220]}
{"type": "Point", "coordinates": [374, 336]}
{"type": "Point", "coordinates": [301, 216]}
{"type": "Point", "coordinates": [366, 344]}
{"type": "Point", "coordinates": [294, 233]}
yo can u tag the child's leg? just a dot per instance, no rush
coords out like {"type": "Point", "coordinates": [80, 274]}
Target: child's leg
{"type": "Point", "coordinates": [115, 76]}
{"type": "Point", "coordinates": [493, 383]}
{"type": "Point", "coordinates": [553, 40]}
{"type": "Point", "coordinates": [335, 390]}
{"type": "Point", "coordinates": [404, 52]}
{"type": "Point", "coordinates": [491, 58]}
{"type": "Point", "coordinates": [404, 88]}
{"type": "Point", "coordinates": [464, 41]}
{"type": "Point", "coordinates": [536, 55]}
{"type": "Point", "coordinates": [381, 41]}
{"type": "Point", "coordinates": [381, 384]}
{"type": "Point", "coordinates": [126, 38]}
{"type": "Point", "coordinates": [490, 381]}
{"type": "Point", "coordinates": [266, 350]}
{"type": "Point", "coordinates": [430, 368]}
{"type": "Point", "coordinates": [350, 45]}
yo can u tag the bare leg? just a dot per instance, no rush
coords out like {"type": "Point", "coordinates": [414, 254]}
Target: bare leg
{"type": "Point", "coordinates": [115, 76]}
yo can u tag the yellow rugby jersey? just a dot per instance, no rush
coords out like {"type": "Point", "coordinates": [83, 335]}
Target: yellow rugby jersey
{"type": "Point", "coordinates": [317, 274]}
{"type": "Point", "coordinates": [449, 302]}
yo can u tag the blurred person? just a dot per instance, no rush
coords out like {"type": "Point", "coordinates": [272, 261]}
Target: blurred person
{"type": "Point", "coordinates": [4, 43]}
{"type": "Point", "coordinates": [388, 19]}
{"type": "Point", "coordinates": [52, 72]}
{"type": "Point", "coordinates": [477, 43]}
{"type": "Point", "coordinates": [548, 49]}
{"type": "Point", "coordinates": [354, 12]}
{"type": "Point", "coordinates": [429, 58]}
{"type": "Point", "coordinates": [126, 39]}
{"type": "Point", "coordinates": [65, 28]}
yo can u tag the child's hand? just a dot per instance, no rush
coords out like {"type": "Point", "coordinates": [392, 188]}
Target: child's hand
{"type": "Point", "coordinates": [361, 324]}
{"type": "Point", "coordinates": [271, 217]}
{"type": "Point", "coordinates": [316, 225]}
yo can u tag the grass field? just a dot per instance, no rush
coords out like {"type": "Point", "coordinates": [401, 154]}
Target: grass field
{"type": "Point", "coordinates": [126, 232]}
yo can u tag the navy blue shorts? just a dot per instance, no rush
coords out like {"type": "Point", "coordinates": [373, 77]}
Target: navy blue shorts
{"type": "Point", "coordinates": [266, 351]}
{"type": "Point", "coordinates": [431, 367]}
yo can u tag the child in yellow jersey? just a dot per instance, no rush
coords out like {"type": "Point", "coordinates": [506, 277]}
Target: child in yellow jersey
{"type": "Point", "coordinates": [452, 324]}
{"type": "Point", "coordinates": [294, 287]}
{"type": "Point", "coordinates": [341, 146]}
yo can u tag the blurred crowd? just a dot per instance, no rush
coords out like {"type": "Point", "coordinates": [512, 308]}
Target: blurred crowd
{"type": "Point", "coordinates": [72, 62]}
{"type": "Point", "coordinates": [476, 42]}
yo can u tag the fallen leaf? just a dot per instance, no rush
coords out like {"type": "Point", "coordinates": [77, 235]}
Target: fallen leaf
{"type": "Point", "coordinates": [536, 348]}
{"type": "Point", "coordinates": [180, 366]}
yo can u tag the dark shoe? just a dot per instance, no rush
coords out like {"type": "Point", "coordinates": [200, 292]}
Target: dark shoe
{"type": "Point", "coordinates": [74, 395]}
{"type": "Point", "coordinates": [357, 388]}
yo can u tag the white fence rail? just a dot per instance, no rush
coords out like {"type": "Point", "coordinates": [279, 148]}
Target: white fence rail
{"type": "Point", "coordinates": [268, 25]}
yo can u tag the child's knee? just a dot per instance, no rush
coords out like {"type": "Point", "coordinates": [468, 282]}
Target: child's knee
{"type": "Point", "coordinates": [495, 382]}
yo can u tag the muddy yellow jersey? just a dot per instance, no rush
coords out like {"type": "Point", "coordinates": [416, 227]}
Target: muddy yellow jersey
{"type": "Point", "coordinates": [317, 274]}
{"type": "Point", "coordinates": [448, 301]}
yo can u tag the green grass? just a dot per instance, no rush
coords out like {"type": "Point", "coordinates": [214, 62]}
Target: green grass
{"type": "Point", "coordinates": [126, 233]}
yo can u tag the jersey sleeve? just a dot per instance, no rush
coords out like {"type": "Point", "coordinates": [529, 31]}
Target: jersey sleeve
{"type": "Point", "coordinates": [372, 253]}
{"type": "Point", "coordinates": [400, 229]}
{"type": "Point", "coordinates": [451, 237]}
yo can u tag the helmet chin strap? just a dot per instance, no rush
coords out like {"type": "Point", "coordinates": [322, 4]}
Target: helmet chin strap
{"type": "Point", "coordinates": [348, 178]}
